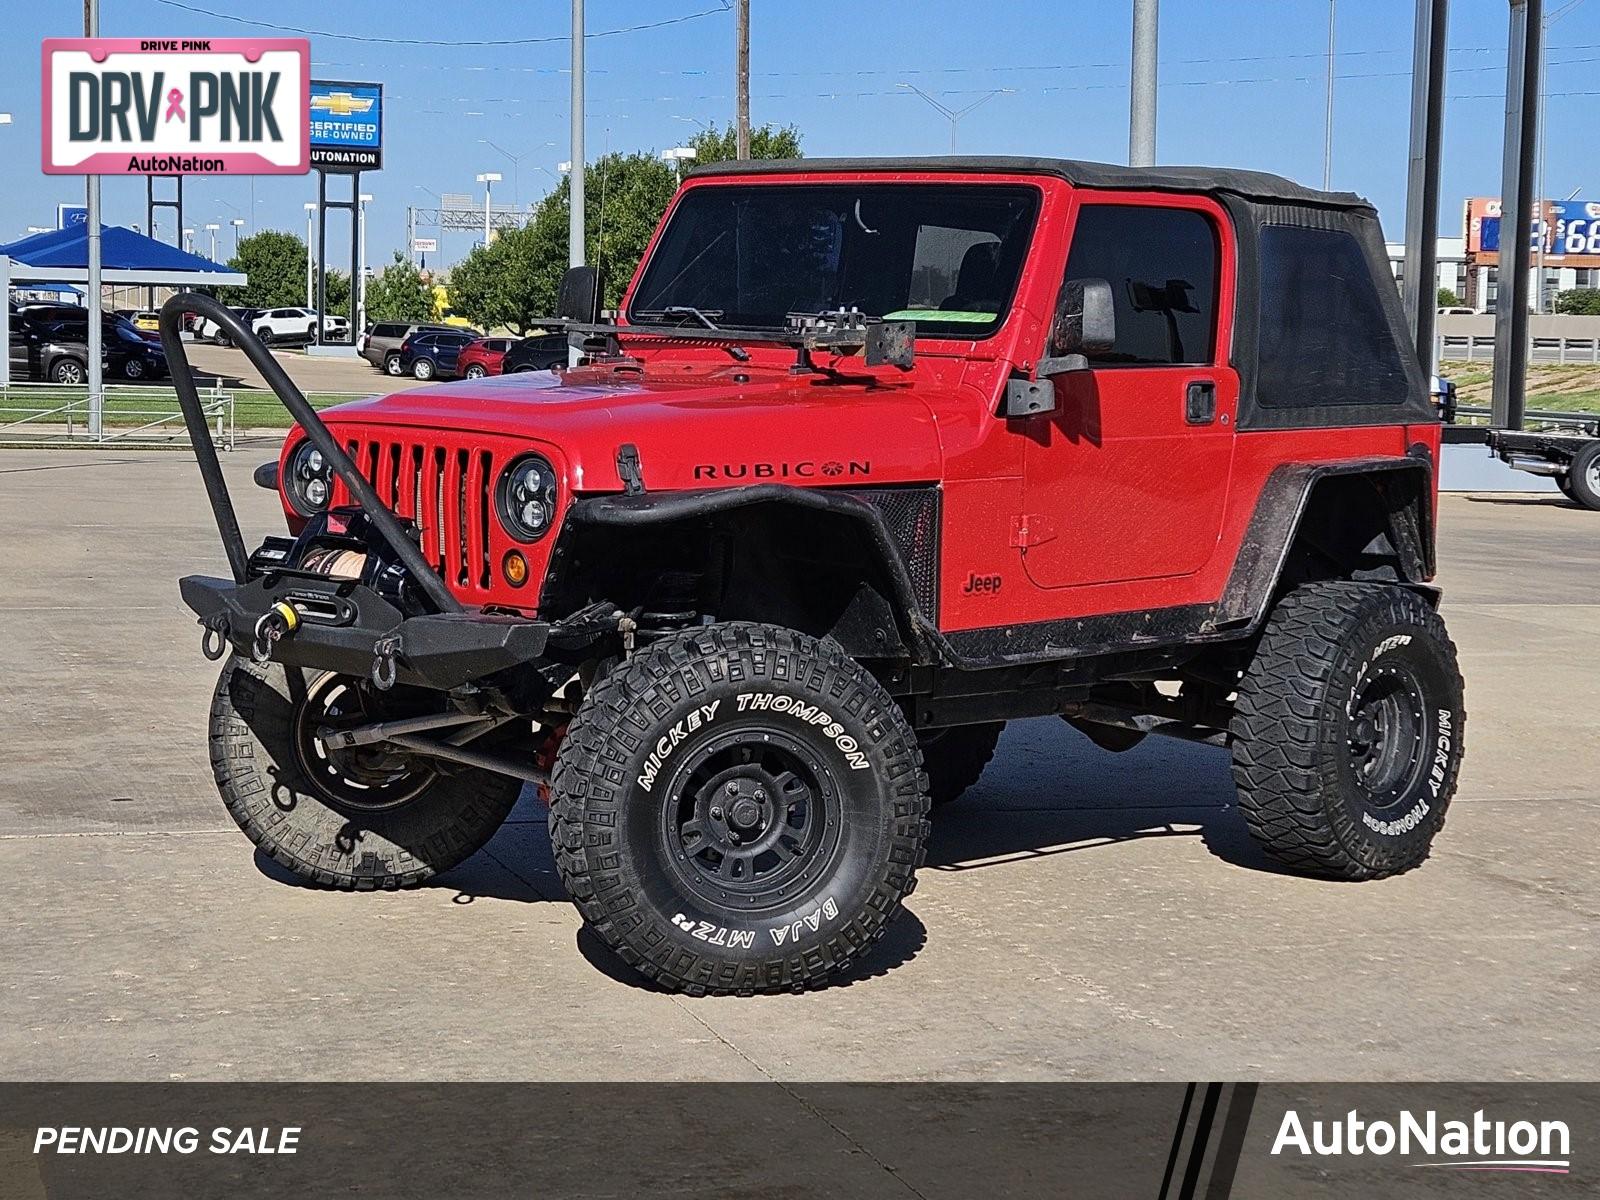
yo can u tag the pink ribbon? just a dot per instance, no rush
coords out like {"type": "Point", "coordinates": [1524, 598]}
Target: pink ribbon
{"type": "Point", "coordinates": [175, 105]}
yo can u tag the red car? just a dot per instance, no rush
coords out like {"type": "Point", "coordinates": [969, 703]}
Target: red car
{"type": "Point", "coordinates": [483, 357]}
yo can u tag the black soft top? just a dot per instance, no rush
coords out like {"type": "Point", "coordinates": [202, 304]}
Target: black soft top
{"type": "Point", "coordinates": [1252, 185]}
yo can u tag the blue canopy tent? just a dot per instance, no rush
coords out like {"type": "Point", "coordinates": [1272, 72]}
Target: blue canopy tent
{"type": "Point", "coordinates": [126, 257]}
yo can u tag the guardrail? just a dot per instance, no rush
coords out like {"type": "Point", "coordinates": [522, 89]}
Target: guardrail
{"type": "Point", "coordinates": [58, 414]}
{"type": "Point", "coordinates": [1469, 347]}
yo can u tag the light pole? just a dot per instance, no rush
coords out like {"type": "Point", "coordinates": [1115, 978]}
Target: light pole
{"type": "Point", "coordinates": [954, 115]}
{"type": "Point", "coordinates": [311, 211]}
{"type": "Point", "coordinates": [212, 229]}
{"type": "Point", "coordinates": [1142, 84]}
{"type": "Point", "coordinates": [188, 240]}
{"type": "Point", "coordinates": [1327, 114]}
{"type": "Point", "coordinates": [676, 156]}
{"type": "Point", "coordinates": [238, 224]}
{"type": "Point", "coordinates": [361, 263]}
{"type": "Point", "coordinates": [488, 179]}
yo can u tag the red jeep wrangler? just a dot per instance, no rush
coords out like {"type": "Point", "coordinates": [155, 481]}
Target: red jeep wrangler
{"type": "Point", "coordinates": [878, 456]}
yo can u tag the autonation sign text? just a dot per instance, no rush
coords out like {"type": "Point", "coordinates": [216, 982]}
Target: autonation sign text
{"type": "Point", "coordinates": [169, 106]}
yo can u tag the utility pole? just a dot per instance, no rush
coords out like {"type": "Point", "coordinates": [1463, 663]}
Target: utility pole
{"type": "Point", "coordinates": [97, 399]}
{"type": "Point", "coordinates": [1523, 56]}
{"type": "Point", "coordinates": [742, 117]}
{"type": "Point", "coordinates": [1327, 119]}
{"type": "Point", "coordinates": [1420, 282]}
{"type": "Point", "coordinates": [1142, 101]}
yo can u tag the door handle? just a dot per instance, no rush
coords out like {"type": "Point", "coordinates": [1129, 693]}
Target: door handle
{"type": "Point", "coordinates": [1200, 402]}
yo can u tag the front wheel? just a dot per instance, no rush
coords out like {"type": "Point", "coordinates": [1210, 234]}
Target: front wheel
{"type": "Point", "coordinates": [739, 809]}
{"type": "Point", "coordinates": [358, 819]}
{"type": "Point", "coordinates": [68, 370]}
{"type": "Point", "coordinates": [1347, 734]}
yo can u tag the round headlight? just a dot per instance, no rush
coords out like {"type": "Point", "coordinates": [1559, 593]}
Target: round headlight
{"type": "Point", "coordinates": [309, 480]}
{"type": "Point", "coordinates": [526, 498]}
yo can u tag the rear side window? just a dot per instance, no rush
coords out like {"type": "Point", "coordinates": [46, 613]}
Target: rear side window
{"type": "Point", "coordinates": [388, 331]}
{"type": "Point", "coordinates": [1162, 266]}
{"type": "Point", "coordinates": [1324, 337]}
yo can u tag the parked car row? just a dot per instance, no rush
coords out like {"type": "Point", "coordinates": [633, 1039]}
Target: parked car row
{"type": "Point", "coordinates": [295, 323]}
{"type": "Point", "coordinates": [50, 343]}
{"type": "Point", "coordinates": [446, 352]}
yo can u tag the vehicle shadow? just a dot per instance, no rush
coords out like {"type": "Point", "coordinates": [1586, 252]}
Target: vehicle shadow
{"type": "Point", "coordinates": [1526, 500]}
{"type": "Point", "coordinates": [1051, 791]}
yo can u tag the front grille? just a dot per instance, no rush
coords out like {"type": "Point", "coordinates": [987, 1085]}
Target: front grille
{"type": "Point", "coordinates": [445, 494]}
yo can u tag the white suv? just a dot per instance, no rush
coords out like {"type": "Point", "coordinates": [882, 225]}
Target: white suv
{"type": "Point", "coordinates": [296, 324]}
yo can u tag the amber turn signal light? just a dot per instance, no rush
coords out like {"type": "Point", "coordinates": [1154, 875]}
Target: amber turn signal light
{"type": "Point", "coordinates": [515, 568]}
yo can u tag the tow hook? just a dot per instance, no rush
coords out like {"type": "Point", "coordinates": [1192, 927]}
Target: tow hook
{"type": "Point", "coordinates": [627, 627]}
{"type": "Point", "coordinates": [277, 623]}
{"type": "Point", "coordinates": [214, 637]}
{"type": "Point", "coordinates": [385, 651]}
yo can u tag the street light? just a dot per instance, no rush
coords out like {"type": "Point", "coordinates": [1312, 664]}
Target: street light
{"type": "Point", "coordinates": [238, 224]}
{"type": "Point", "coordinates": [488, 179]}
{"type": "Point", "coordinates": [212, 230]}
{"type": "Point", "coordinates": [676, 156]}
{"type": "Point", "coordinates": [516, 166]}
{"type": "Point", "coordinates": [954, 115]}
{"type": "Point", "coordinates": [361, 262]}
{"type": "Point", "coordinates": [311, 209]}
{"type": "Point", "coordinates": [5, 118]}
{"type": "Point", "coordinates": [188, 240]}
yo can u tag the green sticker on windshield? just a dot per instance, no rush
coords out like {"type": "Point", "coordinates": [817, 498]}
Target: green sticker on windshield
{"type": "Point", "coordinates": [939, 314]}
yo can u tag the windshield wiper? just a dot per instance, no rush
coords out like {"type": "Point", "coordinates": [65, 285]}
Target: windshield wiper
{"type": "Point", "coordinates": [739, 353]}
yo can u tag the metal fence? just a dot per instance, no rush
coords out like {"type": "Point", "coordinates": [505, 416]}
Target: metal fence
{"type": "Point", "coordinates": [58, 414]}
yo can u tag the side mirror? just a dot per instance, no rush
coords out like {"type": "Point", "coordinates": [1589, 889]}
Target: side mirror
{"type": "Point", "coordinates": [579, 298]}
{"type": "Point", "coordinates": [1085, 323]}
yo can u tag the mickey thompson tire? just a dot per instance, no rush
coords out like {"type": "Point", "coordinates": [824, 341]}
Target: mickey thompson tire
{"type": "Point", "coordinates": [351, 820]}
{"type": "Point", "coordinates": [955, 758]}
{"type": "Point", "coordinates": [1347, 733]}
{"type": "Point", "coordinates": [739, 808]}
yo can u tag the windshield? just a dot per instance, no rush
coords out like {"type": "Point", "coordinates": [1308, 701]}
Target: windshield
{"type": "Point", "coordinates": [946, 256]}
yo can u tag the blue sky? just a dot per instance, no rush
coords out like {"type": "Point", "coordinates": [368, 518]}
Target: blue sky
{"type": "Point", "coordinates": [1242, 84]}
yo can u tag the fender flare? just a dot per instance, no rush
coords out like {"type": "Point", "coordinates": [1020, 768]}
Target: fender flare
{"type": "Point", "coordinates": [644, 509]}
{"type": "Point", "coordinates": [1275, 523]}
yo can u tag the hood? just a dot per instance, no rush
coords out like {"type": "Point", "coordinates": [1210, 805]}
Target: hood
{"type": "Point", "coordinates": [692, 427]}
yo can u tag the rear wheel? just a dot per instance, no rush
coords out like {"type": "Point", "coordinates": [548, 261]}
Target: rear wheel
{"type": "Point", "coordinates": [739, 808]}
{"type": "Point", "coordinates": [1347, 734]}
{"type": "Point", "coordinates": [475, 371]}
{"type": "Point", "coordinates": [1582, 482]}
{"type": "Point", "coordinates": [955, 758]}
{"type": "Point", "coordinates": [391, 365]}
{"type": "Point", "coordinates": [361, 819]}
{"type": "Point", "coordinates": [423, 368]}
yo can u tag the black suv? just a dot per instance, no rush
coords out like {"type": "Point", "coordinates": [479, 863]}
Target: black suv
{"type": "Point", "coordinates": [50, 343]}
{"type": "Point", "coordinates": [538, 353]}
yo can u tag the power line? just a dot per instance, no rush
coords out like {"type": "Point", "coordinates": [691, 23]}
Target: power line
{"type": "Point", "coordinates": [388, 41]}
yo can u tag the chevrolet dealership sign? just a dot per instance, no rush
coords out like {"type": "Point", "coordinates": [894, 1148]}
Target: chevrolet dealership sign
{"type": "Point", "coordinates": [169, 106]}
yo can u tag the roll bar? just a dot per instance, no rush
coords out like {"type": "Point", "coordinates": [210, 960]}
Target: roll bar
{"type": "Point", "coordinates": [205, 450]}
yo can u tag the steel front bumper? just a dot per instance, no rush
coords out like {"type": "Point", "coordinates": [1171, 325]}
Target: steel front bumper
{"type": "Point", "coordinates": [349, 629]}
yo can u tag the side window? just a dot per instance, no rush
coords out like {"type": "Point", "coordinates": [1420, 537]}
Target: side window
{"type": "Point", "coordinates": [1162, 265]}
{"type": "Point", "coordinates": [1324, 339]}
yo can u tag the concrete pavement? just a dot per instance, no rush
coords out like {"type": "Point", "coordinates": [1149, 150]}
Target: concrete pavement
{"type": "Point", "coordinates": [1083, 915]}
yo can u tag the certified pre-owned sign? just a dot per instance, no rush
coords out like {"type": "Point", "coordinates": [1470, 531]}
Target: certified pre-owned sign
{"type": "Point", "coordinates": [170, 106]}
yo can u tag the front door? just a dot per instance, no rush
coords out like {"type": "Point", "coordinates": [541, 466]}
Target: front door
{"type": "Point", "coordinates": [1128, 479]}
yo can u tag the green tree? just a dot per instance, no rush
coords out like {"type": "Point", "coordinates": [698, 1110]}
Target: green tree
{"type": "Point", "coordinates": [399, 293]}
{"type": "Point", "coordinates": [714, 145]}
{"type": "Point", "coordinates": [276, 264]}
{"type": "Point", "coordinates": [1448, 299]}
{"type": "Point", "coordinates": [513, 281]}
{"type": "Point", "coordinates": [1579, 302]}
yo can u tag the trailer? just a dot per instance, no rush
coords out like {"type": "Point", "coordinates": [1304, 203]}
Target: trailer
{"type": "Point", "coordinates": [1570, 457]}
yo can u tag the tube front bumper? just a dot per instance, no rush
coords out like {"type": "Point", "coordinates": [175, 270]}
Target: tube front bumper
{"type": "Point", "coordinates": [349, 629]}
